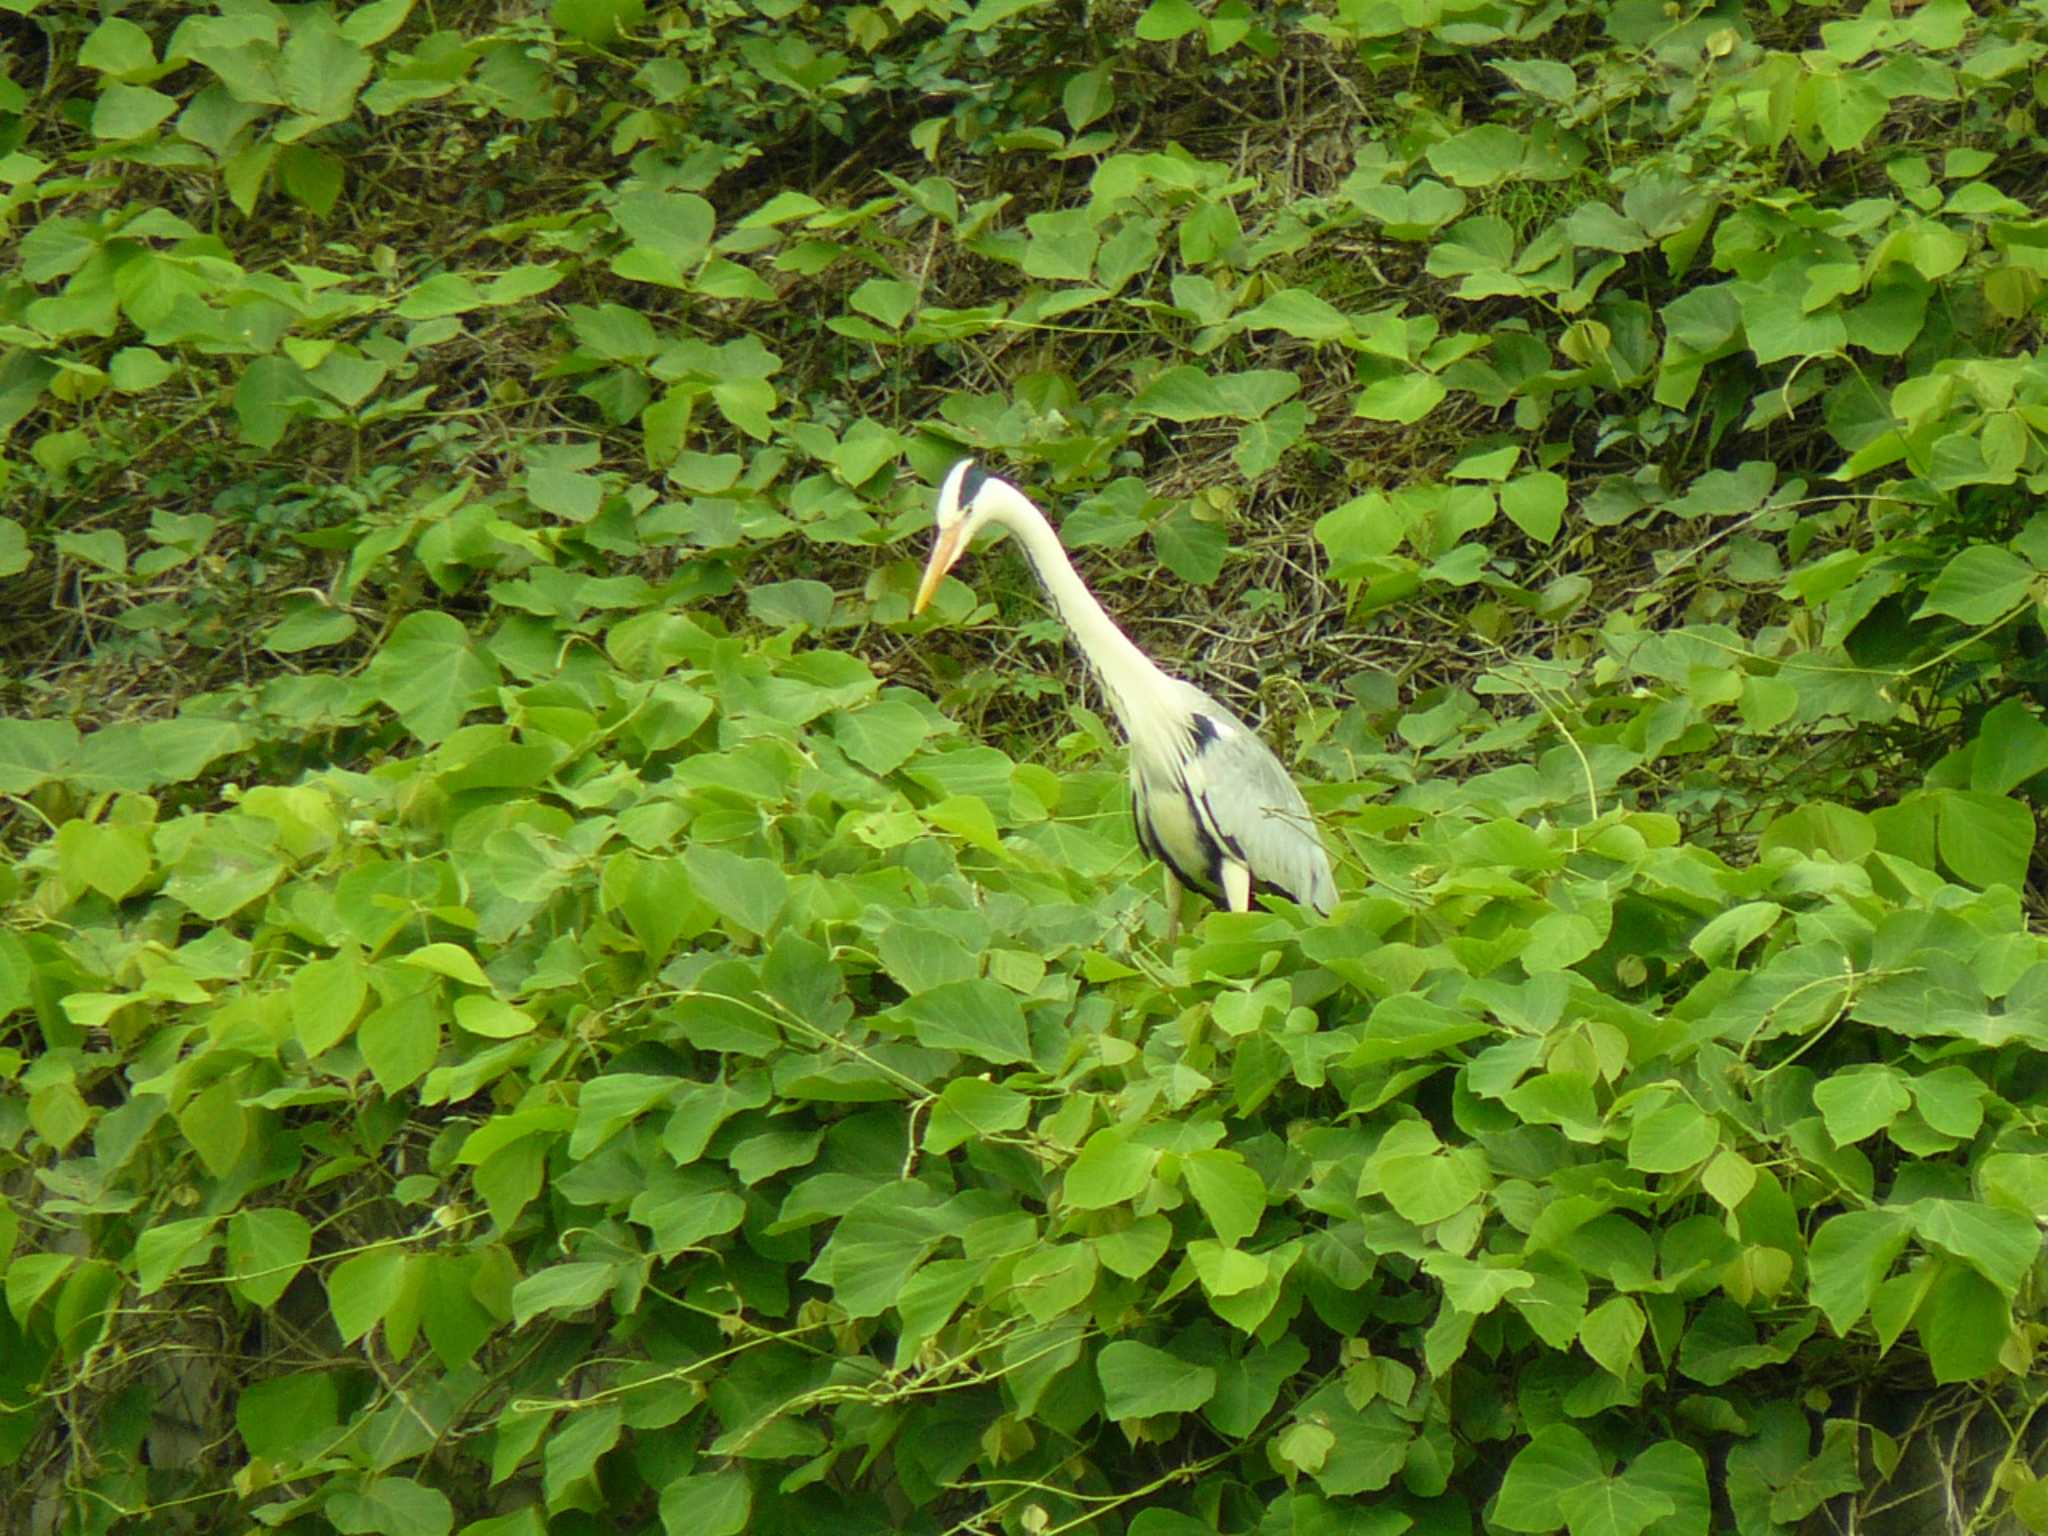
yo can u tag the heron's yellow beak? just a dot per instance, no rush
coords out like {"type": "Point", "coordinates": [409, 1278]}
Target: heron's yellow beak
{"type": "Point", "coordinates": [946, 551]}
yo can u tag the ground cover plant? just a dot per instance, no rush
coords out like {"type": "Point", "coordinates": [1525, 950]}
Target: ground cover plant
{"type": "Point", "coordinates": [535, 997]}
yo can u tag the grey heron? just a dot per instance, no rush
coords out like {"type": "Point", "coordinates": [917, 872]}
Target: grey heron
{"type": "Point", "coordinates": [1209, 799]}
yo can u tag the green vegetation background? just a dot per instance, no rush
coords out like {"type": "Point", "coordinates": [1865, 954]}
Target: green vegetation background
{"type": "Point", "coordinates": [534, 998]}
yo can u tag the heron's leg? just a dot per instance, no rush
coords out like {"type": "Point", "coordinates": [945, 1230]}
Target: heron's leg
{"type": "Point", "coordinates": [1172, 903]}
{"type": "Point", "coordinates": [1237, 886]}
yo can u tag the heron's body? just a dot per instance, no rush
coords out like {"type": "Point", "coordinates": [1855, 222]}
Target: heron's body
{"type": "Point", "coordinates": [1208, 798]}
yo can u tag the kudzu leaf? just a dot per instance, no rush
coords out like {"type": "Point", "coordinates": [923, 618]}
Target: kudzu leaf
{"type": "Point", "coordinates": [1979, 585]}
{"type": "Point", "coordinates": [976, 1017]}
{"type": "Point", "coordinates": [267, 1246]}
{"type": "Point", "coordinates": [1139, 1381]}
{"type": "Point", "coordinates": [1230, 1193]}
{"type": "Point", "coordinates": [1849, 1256]}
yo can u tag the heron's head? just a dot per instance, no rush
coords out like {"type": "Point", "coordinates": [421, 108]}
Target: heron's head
{"type": "Point", "coordinates": [962, 510]}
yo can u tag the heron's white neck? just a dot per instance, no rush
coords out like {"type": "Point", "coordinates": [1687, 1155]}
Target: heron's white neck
{"type": "Point", "coordinates": [1133, 684]}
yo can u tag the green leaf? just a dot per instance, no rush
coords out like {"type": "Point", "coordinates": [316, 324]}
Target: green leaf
{"type": "Point", "coordinates": [113, 860]}
{"type": "Point", "coordinates": [375, 21]}
{"type": "Point", "coordinates": [1300, 313]}
{"type": "Point", "coordinates": [391, 1506]}
{"type": "Point", "coordinates": [970, 1108]}
{"type": "Point", "coordinates": [228, 865]}
{"type": "Point", "coordinates": [598, 22]}
{"type": "Point", "coordinates": [102, 547]}
{"type": "Point", "coordinates": [135, 370]}
{"type": "Point", "coordinates": [1963, 1324]}
{"type": "Point", "coordinates": [1403, 399]}
{"type": "Point", "coordinates": [268, 395]}
{"type": "Point", "coordinates": [1226, 1271]}
{"type": "Point", "coordinates": [883, 736]}
{"type": "Point", "coordinates": [17, 978]}
{"type": "Point", "coordinates": [717, 1503]}
{"type": "Point", "coordinates": [561, 1288]}
{"type": "Point", "coordinates": [1429, 1185]}
{"type": "Point", "coordinates": [1620, 1506]}
{"type": "Point", "coordinates": [1951, 1099]}
{"type": "Point", "coordinates": [1672, 1139]}
{"type": "Point", "coordinates": [1727, 935]}
{"type": "Point", "coordinates": [430, 674]}
{"type": "Point", "coordinates": [1474, 1287]}
{"type": "Point", "coordinates": [129, 111]}
{"type": "Point", "coordinates": [1181, 394]}
{"type": "Point", "coordinates": [267, 1246]}
{"type": "Point", "coordinates": [1611, 1333]}
{"type": "Point", "coordinates": [1819, 827]}
{"type": "Point", "coordinates": [1776, 324]}
{"type": "Point", "coordinates": [977, 1017]}
{"type": "Point", "coordinates": [1558, 1478]}
{"type": "Point", "coordinates": [1860, 1102]}
{"type": "Point", "coordinates": [879, 1243]}
{"type": "Point", "coordinates": [1062, 246]}
{"type": "Point", "coordinates": [1846, 107]}
{"type": "Point", "coordinates": [306, 626]}
{"type": "Point", "coordinates": [321, 71]}
{"type": "Point", "coordinates": [748, 892]}
{"type": "Point", "coordinates": [723, 279]}
{"type": "Point", "coordinates": [1089, 95]}
{"type": "Point", "coordinates": [1986, 839]}
{"type": "Point", "coordinates": [1535, 504]}
{"type": "Point", "coordinates": [492, 1018]}
{"type": "Point", "coordinates": [326, 997]}
{"type": "Point", "coordinates": [1372, 1443]}
{"type": "Point", "coordinates": [2000, 1244]}
{"type": "Point", "coordinates": [118, 47]}
{"type": "Point", "coordinates": [1478, 157]}
{"type": "Point", "coordinates": [313, 179]}
{"type": "Point", "coordinates": [1191, 548]}
{"type": "Point", "coordinates": [1231, 1194]}
{"type": "Point", "coordinates": [162, 1250]}
{"type": "Point", "coordinates": [1055, 1278]}
{"type": "Point", "coordinates": [57, 1113]}
{"type": "Point", "coordinates": [445, 293]}
{"type": "Point", "coordinates": [362, 1288]}
{"type": "Point", "coordinates": [32, 752]}
{"type": "Point", "coordinates": [1165, 20]}
{"type": "Point", "coordinates": [2012, 747]}
{"type": "Point", "coordinates": [1675, 1471]}
{"type": "Point", "coordinates": [782, 603]}
{"type": "Point", "coordinates": [400, 1040]}
{"type": "Point", "coordinates": [656, 899]}
{"type": "Point", "coordinates": [1139, 1381]}
{"type": "Point", "coordinates": [1109, 1170]}
{"type": "Point", "coordinates": [571, 1457]}
{"type": "Point", "coordinates": [1261, 444]}
{"type": "Point", "coordinates": [1980, 585]}
{"type": "Point", "coordinates": [450, 960]}
{"type": "Point", "coordinates": [887, 299]}
{"type": "Point", "coordinates": [148, 754]}
{"type": "Point", "coordinates": [1848, 1257]}
{"type": "Point", "coordinates": [1133, 1251]}
{"type": "Point", "coordinates": [277, 1416]}
{"type": "Point", "coordinates": [670, 234]}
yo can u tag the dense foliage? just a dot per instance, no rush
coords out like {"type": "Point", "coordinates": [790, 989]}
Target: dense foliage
{"type": "Point", "coordinates": [534, 997]}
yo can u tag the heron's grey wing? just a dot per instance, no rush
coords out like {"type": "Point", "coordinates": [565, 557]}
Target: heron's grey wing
{"type": "Point", "coordinates": [1252, 807]}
